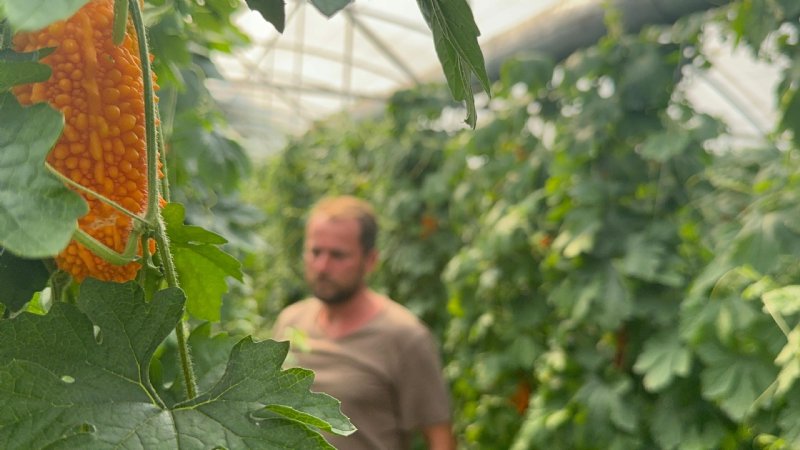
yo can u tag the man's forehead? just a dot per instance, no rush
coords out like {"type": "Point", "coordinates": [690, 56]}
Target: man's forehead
{"type": "Point", "coordinates": [326, 219]}
{"type": "Point", "coordinates": [339, 227]}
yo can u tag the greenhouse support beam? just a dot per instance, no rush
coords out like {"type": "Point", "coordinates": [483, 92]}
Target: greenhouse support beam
{"type": "Point", "coordinates": [576, 24]}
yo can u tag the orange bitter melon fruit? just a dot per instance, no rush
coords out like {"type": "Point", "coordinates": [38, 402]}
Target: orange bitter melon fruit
{"type": "Point", "coordinates": [98, 86]}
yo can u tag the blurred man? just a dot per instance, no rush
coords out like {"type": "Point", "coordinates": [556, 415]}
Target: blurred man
{"type": "Point", "coordinates": [368, 351]}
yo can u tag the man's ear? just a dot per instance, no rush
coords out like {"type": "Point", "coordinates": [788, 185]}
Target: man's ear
{"type": "Point", "coordinates": [371, 260]}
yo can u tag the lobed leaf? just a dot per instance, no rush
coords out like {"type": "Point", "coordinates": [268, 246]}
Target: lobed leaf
{"type": "Point", "coordinates": [607, 403]}
{"type": "Point", "coordinates": [680, 421]}
{"type": "Point", "coordinates": [763, 238]}
{"type": "Point", "coordinates": [202, 266]}
{"type": "Point", "coordinates": [663, 359]}
{"type": "Point", "coordinates": [647, 259]}
{"type": "Point", "coordinates": [63, 385]}
{"type": "Point", "coordinates": [733, 380]}
{"type": "Point", "coordinates": [78, 378]}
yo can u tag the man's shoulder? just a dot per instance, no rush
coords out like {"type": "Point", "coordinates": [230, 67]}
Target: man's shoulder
{"type": "Point", "coordinates": [296, 312]}
{"type": "Point", "coordinates": [405, 332]}
{"type": "Point", "coordinates": [300, 305]}
{"type": "Point", "coordinates": [399, 317]}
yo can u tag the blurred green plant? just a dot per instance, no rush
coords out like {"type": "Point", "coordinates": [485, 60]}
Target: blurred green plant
{"type": "Point", "coordinates": [597, 276]}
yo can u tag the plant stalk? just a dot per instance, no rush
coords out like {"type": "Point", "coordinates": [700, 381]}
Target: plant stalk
{"type": "Point", "coordinates": [153, 214]}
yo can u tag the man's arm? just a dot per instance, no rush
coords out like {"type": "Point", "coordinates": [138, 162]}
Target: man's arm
{"type": "Point", "coordinates": [440, 437]}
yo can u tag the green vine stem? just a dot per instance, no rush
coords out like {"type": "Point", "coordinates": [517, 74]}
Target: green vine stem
{"type": "Point", "coordinates": [92, 193]}
{"type": "Point", "coordinates": [60, 283]}
{"type": "Point", "coordinates": [153, 215]}
{"type": "Point", "coordinates": [5, 35]}
{"type": "Point", "coordinates": [101, 250]}
{"type": "Point", "coordinates": [120, 21]}
{"type": "Point", "coordinates": [162, 154]}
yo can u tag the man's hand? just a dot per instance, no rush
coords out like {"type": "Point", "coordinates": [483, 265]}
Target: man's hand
{"type": "Point", "coordinates": [440, 437]}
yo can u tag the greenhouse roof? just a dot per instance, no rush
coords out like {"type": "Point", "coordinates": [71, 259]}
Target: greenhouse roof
{"type": "Point", "coordinates": [353, 61]}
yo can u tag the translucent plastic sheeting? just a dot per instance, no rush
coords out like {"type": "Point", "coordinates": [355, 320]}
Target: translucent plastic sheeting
{"type": "Point", "coordinates": [353, 61]}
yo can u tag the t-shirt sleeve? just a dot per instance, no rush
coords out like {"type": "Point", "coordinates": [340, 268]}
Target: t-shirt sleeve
{"type": "Point", "coordinates": [422, 393]}
{"type": "Point", "coordinates": [293, 316]}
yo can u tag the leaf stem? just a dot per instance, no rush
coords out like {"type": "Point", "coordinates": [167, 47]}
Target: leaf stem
{"type": "Point", "coordinates": [149, 113]}
{"type": "Point", "coordinates": [153, 214]}
{"type": "Point", "coordinates": [776, 316]}
{"type": "Point", "coordinates": [94, 194]}
{"type": "Point", "coordinates": [101, 250]}
{"type": "Point", "coordinates": [120, 20]}
{"type": "Point", "coordinates": [60, 282]}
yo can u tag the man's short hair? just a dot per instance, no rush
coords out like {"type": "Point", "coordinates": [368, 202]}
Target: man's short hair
{"type": "Point", "coordinates": [350, 207]}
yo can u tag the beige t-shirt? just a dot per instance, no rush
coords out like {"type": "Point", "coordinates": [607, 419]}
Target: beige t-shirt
{"type": "Point", "coordinates": [387, 374]}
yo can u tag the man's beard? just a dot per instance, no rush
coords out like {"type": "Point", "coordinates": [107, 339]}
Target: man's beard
{"type": "Point", "coordinates": [337, 296]}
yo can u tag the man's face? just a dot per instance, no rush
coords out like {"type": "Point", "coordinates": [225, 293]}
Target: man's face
{"type": "Point", "coordinates": [335, 262]}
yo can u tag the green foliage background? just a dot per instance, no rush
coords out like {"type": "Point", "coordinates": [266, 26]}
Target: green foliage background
{"type": "Point", "coordinates": [598, 277]}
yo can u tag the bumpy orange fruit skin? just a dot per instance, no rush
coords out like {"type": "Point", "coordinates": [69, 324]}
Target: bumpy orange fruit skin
{"type": "Point", "coordinates": [98, 87]}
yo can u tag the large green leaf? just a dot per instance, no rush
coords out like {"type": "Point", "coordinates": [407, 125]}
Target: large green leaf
{"type": "Point", "coordinates": [646, 259]}
{"type": "Point", "coordinates": [598, 295]}
{"type": "Point", "coordinates": [679, 420]}
{"type": "Point", "coordinates": [202, 266]}
{"type": "Point", "coordinates": [210, 356]}
{"type": "Point", "coordinates": [606, 403]}
{"type": "Point", "coordinates": [455, 36]}
{"type": "Point", "coordinates": [763, 238]}
{"type": "Point", "coordinates": [30, 15]}
{"type": "Point", "coordinates": [63, 385]}
{"type": "Point", "coordinates": [19, 279]}
{"type": "Point", "coordinates": [733, 380]}
{"type": "Point", "coordinates": [663, 358]}
{"type": "Point", "coordinates": [38, 214]}
{"type": "Point", "coordinates": [78, 378]}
